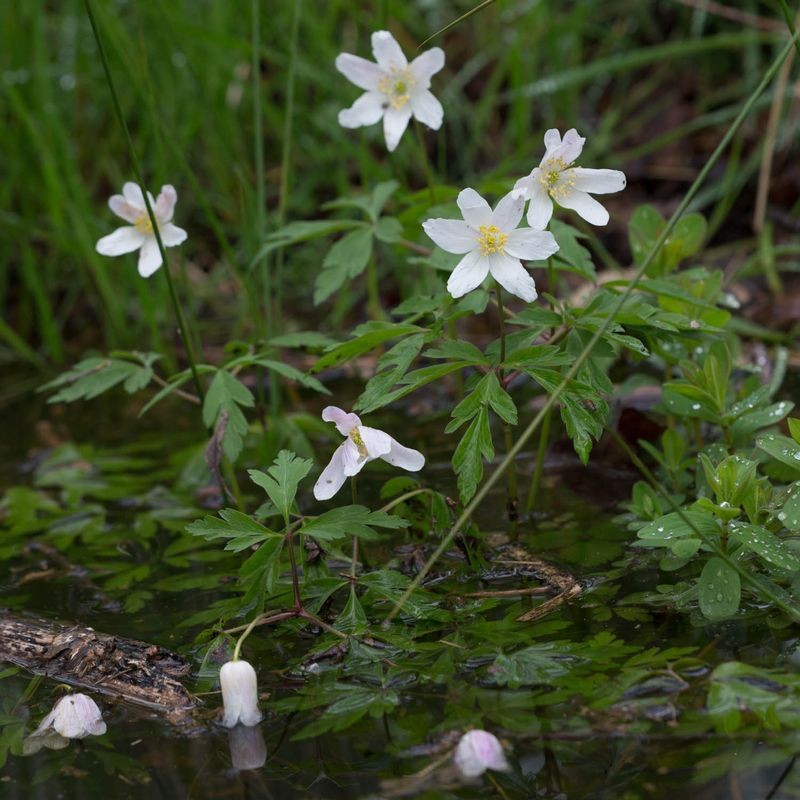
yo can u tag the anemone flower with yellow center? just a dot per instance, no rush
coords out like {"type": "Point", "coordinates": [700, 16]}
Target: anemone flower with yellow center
{"type": "Point", "coordinates": [492, 244]}
{"type": "Point", "coordinates": [395, 90]}
{"type": "Point", "coordinates": [555, 179]}
{"type": "Point", "coordinates": [139, 235]}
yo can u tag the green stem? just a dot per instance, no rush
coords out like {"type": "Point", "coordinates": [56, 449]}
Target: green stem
{"type": "Point", "coordinates": [354, 560]}
{"type": "Point", "coordinates": [787, 15]}
{"type": "Point", "coordinates": [373, 290]}
{"type": "Point", "coordinates": [541, 451]}
{"type": "Point", "coordinates": [598, 334]}
{"type": "Point", "coordinates": [187, 342]}
{"type": "Point", "coordinates": [512, 501]}
{"type": "Point", "coordinates": [430, 175]}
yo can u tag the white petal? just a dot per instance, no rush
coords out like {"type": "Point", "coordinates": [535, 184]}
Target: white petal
{"type": "Point", "coordinates": [133, 194]}
{"type": "Point", "coordinates": [597, 181]}
{"type": "Point", "coordinates": [344, 422]}
{"type": "Point", "coordinates": [570, 148]}
{"type": "Point", "coordinates": [468, 274]}
{"type": "Point", "coordinates": [404, 457]}
{"type": "Point", "coordinates": [353, 460]}
{"type": "Point", "coordinates": [165, 203]}
{"type": "Point", "coordinates": [364, 74]}
{"type": "Point", "coordinates": [478, 751]}
{"type": "Point", "coordinates": [474, 208]}
{"type": "Point", "coordinates": [426, 65]}
{"type": "Point", "coordinates": [76, 716]}
{"type": "Point", "coordinates": [149, 257]}
{"type": "Point", "coordinates": [524, 186]}
{"type": "Point", "coordinates": [366, 110]}
{"type": "Point", "coordinates": [530, 244]}
{"type": "Point", "coordinates": [552, 139]}
{"type": "Point", "coordinates": [508, 212]}
{"type": "Point", "coordinates": [387, 52]}
{"type": "Point", "coordinates": [585, 206]}
{"type": "Point", "coordinates": [377, 442]}
{"type": "Point", "coordinates": [540, 209]}
{"type": "Point", "coordinates": [172, 235]}
{"type": "Point", "coordinates": [239, 694]}
{"type": "Point", "coordinates": [427, 109]}
{"type": "Point", "coordinates": [395, 121]}
{"type": "Point", "coordinates": [512, 276]}
{"type": "Point", "coordinates": [123, 240]}
{"type": "Point", "coordinates": [122, 208]}
{"type": "Point", "coordinates": [332, 478]}
{"type": "Point", "coordinates": [452, 235]}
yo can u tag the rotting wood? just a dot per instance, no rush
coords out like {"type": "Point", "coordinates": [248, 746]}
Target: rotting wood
{"type": "Point", "coordinates": [141, 673]}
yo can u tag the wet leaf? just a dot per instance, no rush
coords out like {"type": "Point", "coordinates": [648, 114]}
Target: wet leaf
{"type": "Point", "coordinates": [719, 590]}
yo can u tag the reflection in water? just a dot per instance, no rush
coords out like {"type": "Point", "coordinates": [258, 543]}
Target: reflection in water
{"type": "Point", "coordinates": [248, 749]}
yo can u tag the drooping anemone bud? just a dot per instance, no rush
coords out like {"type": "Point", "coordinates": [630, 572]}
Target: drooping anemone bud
{"type": "Point", "coordinates": [478, 751]}
{"type": "Point", "coordinates": [74, 716]}
{"type": "Point", "coordinates": [239, 694]}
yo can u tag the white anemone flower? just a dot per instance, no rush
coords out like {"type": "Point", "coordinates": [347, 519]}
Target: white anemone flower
{"type": "Point", "coordinates": [394, 89]}
{"type": "Point", "coordinates": [139, 234]}
{"type": "Point", "coordinates": [239, 694]}
{"type": "Point", "coordinates": [555, 179]}
{"type": "Point", "coordinates": [74, 716]}
{"type": "Point", "coordinates": [493, 244]}
{"type": "Point", "coordinates": [478, 751]}
{"type": "Point", "coordinates": [361, 446]}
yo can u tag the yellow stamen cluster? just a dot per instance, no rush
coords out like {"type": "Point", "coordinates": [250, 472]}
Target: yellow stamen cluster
{"type": "Point", "coordinates": [355, 435]}
{"type": "Point", "coordinates": [397, 86]}
{"type": "Point", "coordinates": [143, 224]}
{"type": "Point", "coordinates": [554, 181]}
{"type": "Point", "coordinates": [491, 239]}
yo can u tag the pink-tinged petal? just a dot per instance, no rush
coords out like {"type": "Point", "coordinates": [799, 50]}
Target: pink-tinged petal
{"type": "Point", "coordinates": [478, 751]}
{"type": "Point", "coordinates": [508, 212]}
{"type": "Point", "coordinates": [122, 240]}
{"type": "Point", "coordinates": [512, 276]}
{"type": "Point", "coordinates": [377, 442]}
{"type": "Point", "coordinates": [123, 209]}
{"type": "Point", "coordinates": [524, 187]}
{"type": "Point", "coordinates": [332, 478]}
{"type": "Point", "coordinates": [427, 64]}
{"type": "Point", "coordinates": [74, 716]}
{"type": "Point", "coordinates": [133, 194]}
{"type": "Point", "coordinates": [239, 685]}
{"type": "Point", "coordinates": [367, 110]}
{"type": "Point", "coordinates": [452, 235]}
{"type": "Point", "coordinates": [474, 208]}
{"type": "Point", "coordinates": [468, 274]}
{"type": "Point", "coordinates": [344, 422]}
{"type": "Point", "coordinates": [395, 122]}
{"type": "Point", "coordinates": [172, 235]}
{"type": "Point", "coordinates": [530, 244]}
{"type": "Point", "coordinates": [165, 203]}
{"type": "Point", "coordinates": [596, 181]}
{"type": "Point", "coordinates": [427, 109]}
{"type": "Point", "coordinates": [353, 459]}
{"type": "Point", "coordinates": [540, 208]}
{"type": "Point", "coordinates": [404, 457]}
{"type": "Point", "coordinates": [364, 74]}
{"type": "Point", "coordinates": [149, 257]}
{"type": "Point", "coordinates": [585, 206]}
{"type": "Point", "coordinates": [387, 52]}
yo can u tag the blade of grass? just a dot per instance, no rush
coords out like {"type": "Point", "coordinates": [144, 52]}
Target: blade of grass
{"type": "Point", "coordinates": [587, 351]}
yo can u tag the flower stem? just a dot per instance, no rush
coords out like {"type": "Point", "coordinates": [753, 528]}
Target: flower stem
{"type": "Point", "coordinates": [354, 560]}
{"type": "Point", "coordinates": [289, 544]}
{"type": "Point", "coordinates": [540, 454]}
{"type": "Point", "coordinates": [187, 342]}
{"type": "Point", "coordinates": [430, 176]}
{"type": "Point", "coordinates": [512, 501]}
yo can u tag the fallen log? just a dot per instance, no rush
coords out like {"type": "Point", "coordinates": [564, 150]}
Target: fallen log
{"type": "Point", "coordinates": [141, 673]}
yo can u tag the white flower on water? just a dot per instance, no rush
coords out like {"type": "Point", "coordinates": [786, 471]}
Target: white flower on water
{"type": "Point", "coordinates": [493, 244]}
{"type": "Point", "coordinates": [394, 89]}
{"type": "Point", "coordinates": [555, 179]}
{"type": "Point", "coordinates": [139, 234]}
{"type": "Point", "coordinates": [361, 446]}
{"type": "Point", "coordinates": [478, 751]}
{"type": "Point", "coordinates": [239, 694]}
{"type": "Point", "coordinates": [74, 716]}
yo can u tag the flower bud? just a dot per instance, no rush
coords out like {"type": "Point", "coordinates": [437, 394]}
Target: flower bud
{"type": "Point", "coordinates": [74, 716]}
{"type": "Point", "coordinates": [478, 751]}
{"type": "Point", "coordinates": [239, 694]}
